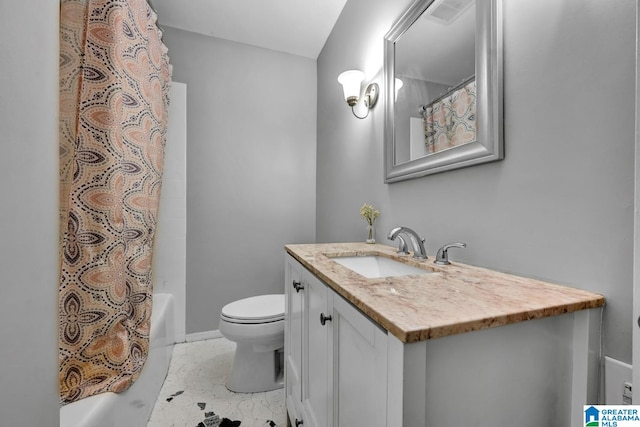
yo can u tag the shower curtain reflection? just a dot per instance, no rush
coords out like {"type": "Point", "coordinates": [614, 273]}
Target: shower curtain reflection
{"type": "Point", "coordinates": [450, 121]}
{"type": "Point", "coordinates": [114, 82]}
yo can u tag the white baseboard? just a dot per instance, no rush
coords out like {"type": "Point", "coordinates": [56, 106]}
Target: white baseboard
{"type": "Point", "coordinates": [201, 336]}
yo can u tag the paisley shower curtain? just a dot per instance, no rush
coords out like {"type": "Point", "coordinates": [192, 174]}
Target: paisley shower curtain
{"type": "Point", "coordinates": [451, 120]}
{"type": "Point", "coordinates": [114, 86]}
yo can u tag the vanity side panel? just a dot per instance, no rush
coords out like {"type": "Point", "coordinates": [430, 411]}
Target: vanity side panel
{"type": "Point", "coordinates": [587, 384]}
{"type": "Point", "coordinates": [407, 365]}
{"type": "Point", "coordinates": [519, 374]}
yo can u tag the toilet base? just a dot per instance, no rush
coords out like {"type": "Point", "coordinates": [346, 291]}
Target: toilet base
{"type": "Point", "coordinates": [256, 371]}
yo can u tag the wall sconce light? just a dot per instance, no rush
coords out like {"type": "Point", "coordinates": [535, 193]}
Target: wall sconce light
{"type": "Point", "coordinates": [351, 81]}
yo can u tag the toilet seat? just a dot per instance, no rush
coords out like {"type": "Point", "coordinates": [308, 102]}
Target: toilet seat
{"type": "Point", "coordinates": [255, 310]}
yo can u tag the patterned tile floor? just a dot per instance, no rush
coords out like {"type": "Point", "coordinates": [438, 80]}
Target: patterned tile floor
{"type": "Point", "coordinates": [194, 395]}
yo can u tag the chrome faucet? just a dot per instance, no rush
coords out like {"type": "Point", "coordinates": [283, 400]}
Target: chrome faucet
{"type": "Point", "coordinates": [416, 241]}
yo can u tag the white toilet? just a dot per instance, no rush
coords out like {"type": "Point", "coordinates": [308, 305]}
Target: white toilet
{"type": "Point", "coordinates": [256, 325]}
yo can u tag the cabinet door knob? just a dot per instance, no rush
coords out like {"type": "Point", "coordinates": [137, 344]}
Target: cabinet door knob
{"type": "Point", "coordinates": [299, 422]}
{"type": "Point", "coordinates": [324, 319]}
{"type": "Point", "coordinates": [297, 286]}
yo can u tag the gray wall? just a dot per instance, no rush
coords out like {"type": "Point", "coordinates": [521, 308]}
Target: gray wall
{"type": "Point", "coordinates": [559, 206]}
{"type": "Point", "coordinates": [251, 141]}
{"type": "Point", "coordinates": [29, 213]}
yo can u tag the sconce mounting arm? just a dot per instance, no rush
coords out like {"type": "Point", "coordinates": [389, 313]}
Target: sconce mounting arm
{"type": "Point", "coordinates": [370, 99]}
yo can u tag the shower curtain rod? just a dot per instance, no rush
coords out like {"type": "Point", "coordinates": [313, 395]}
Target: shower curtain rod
{"type": "Point", "coordinates": [423, 108]}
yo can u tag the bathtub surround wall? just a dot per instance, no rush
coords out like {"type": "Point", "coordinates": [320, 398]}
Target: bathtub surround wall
{"type": "Point", "coordinates": [29, 213]}
{"type": "Point", "coordinates": [251, 122]}
{"type": "Point", "coordinates": [560, 206]}
{"type": "Point", "coordinates": [170, 250]}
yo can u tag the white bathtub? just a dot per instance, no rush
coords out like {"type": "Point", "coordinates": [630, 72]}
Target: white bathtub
{"type": "Point", "coordinates": [133, 407]}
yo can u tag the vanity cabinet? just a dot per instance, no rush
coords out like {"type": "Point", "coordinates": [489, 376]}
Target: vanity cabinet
{"type": "Point", "coordinates": [461, 346]}
{"type": "Point", "coordinates": [335, 357]}
{"type": "Point", "coordinates": [293, 341]}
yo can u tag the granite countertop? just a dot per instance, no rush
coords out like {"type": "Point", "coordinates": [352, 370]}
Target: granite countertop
{"type": "Point", "coordinates": [454, 299]}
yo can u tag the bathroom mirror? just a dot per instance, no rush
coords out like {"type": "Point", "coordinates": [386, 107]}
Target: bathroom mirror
{"type": "Point", "coordinates": [443, 88]}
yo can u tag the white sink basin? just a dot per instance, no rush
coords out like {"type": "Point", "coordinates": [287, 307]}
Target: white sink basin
{"type": "Point", "coordinates": [374, 266]}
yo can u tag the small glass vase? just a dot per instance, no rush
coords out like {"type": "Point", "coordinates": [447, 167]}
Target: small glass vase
{"type": "Point", "coordinates": [371, 234]}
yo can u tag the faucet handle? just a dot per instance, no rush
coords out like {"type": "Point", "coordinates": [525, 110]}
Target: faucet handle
{"type": "Point", "coordinates": [402, 246]}
{"type": "Point", "coordinates": [442, 257]}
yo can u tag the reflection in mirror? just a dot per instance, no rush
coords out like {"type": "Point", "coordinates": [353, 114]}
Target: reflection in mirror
{"type": "Point", "coordinates": [436, 110]}
{"type": "Point", "coordinates": [444, 88]}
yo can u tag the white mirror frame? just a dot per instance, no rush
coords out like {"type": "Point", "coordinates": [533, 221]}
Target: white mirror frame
{"type": "Point", "coordinates": [489, 144]}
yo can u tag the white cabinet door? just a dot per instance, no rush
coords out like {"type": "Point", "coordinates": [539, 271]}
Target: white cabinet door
{"type": "Point", "coordinates": [294, 306]}
{"type": "Point", "coordinates": [335, 357]}
{"type": "Point", "coordinates": [315, 388]}
{"type": "Point", "coordinates": [359, 371]}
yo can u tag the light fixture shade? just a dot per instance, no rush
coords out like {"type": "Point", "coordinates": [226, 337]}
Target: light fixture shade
{"type": "Point", "coordinates": [398, 85]}
{"type": "Point", "coordinates": [350, 81]}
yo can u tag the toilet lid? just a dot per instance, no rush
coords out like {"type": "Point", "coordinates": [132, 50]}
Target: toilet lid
{"type": "Point", "coordinates": [259, 309]}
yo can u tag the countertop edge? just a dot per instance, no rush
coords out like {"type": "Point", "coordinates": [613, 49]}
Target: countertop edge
{"type": "Point", "coordinates": [427, 332]}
